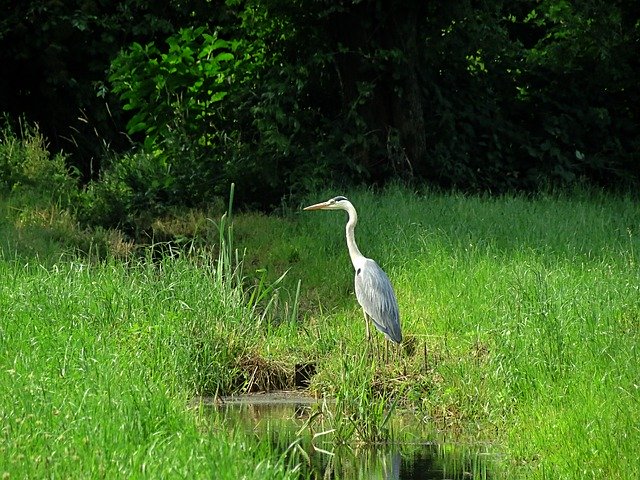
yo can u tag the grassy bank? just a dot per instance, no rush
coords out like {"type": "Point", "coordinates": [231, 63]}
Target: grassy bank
{"type": "Point", "coordinates": [521, 318]}
{"type": "Point", "coordinates": [100, 363]}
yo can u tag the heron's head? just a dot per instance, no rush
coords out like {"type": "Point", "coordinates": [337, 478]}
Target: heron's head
{"type": "Point", "coordinates": [336, 203]}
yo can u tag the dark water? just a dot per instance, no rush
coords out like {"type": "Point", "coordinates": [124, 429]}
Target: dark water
{"type": "Point", "coordinates": [413, 454]}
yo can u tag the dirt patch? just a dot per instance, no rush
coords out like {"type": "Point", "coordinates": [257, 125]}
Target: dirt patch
{"type": "Point", "coordinates": [260, 374]}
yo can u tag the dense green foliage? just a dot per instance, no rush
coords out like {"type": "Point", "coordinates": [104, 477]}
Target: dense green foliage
{"type": "Point", "coordinates": [278, 96]}
{"type": "Point", "coordinates": [521, 313]}
{"type": "Point", "coordinates": [27, 164]}
{"type": "Point", "coordinates": [56, 57]}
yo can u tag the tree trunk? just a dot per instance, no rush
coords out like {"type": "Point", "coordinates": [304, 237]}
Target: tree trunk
{"type": "Point", "coordinates": [406, 99]}
{"type": "Point", "coordinates": [393, 113]}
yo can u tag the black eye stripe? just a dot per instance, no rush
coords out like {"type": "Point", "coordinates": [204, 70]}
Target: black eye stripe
{"type": "Point", "coordinates": [339, 199]}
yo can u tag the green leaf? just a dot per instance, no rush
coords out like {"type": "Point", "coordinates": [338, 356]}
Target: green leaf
{"type": "Point", "coordinates": [224, 56]}
{"type": "Point", "coordinates": [218, 96]}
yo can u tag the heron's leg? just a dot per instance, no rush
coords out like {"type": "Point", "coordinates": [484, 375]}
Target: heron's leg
{"type": "Point", "coordinates": [370, 347]}
{"type": "Point", "coordinates": [366, 324]}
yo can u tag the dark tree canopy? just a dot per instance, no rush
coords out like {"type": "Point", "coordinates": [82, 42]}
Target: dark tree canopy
{"type": "Point", "coordinates": [280, 95]}
{"type": "Point", "coordinates": [56, 57]}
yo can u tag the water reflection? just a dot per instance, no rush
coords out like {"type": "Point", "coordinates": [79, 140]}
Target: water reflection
{"type": "Point", "coordinates": [281, 421]}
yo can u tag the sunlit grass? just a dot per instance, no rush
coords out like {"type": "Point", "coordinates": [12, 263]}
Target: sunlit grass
{"type": "Point", "coordinates": [100, 364]}
{"type": "Point", "coordinates": [521, 314]}
{"type": "Point", "coordinates": [528, 310]}
{"type": "Point", "coordinates": [521, 319]}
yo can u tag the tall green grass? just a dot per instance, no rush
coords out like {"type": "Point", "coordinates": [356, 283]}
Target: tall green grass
{"type": "Point", "coordinates": [521, 319]}
{"type": "Point", "coordinates": [100, 365]}
{"type": "Point", "coordinates": [523, 316]}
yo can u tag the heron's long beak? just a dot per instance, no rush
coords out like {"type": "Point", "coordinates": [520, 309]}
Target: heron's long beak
{"type": "Point", "coordinates": [317, 206]}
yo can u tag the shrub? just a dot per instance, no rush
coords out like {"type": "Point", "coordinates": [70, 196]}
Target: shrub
{"type": "Point", "coordinates": [27, 165]}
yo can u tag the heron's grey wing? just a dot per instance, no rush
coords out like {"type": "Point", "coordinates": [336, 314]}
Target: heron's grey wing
{"type": "Point", "coordinates": [375, 293]}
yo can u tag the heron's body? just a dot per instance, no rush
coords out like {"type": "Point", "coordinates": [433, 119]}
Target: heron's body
{"type": "Point", "coordinates": [381, 309]}
{"type": "Point", "coordinates": [373, 288]}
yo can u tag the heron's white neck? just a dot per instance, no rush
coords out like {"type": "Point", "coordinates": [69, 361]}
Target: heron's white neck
{"type": "Point", "coordinates": [356, 257]}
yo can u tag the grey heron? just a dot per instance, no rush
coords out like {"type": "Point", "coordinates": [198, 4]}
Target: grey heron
{"type": "Point", "coordinates": [373, 288]}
